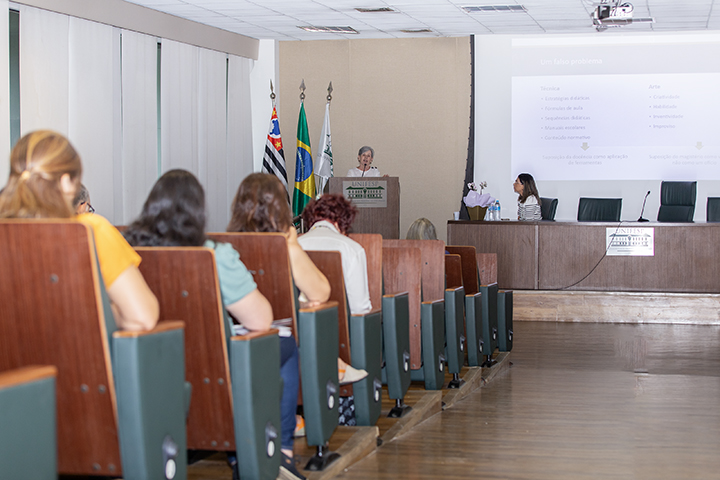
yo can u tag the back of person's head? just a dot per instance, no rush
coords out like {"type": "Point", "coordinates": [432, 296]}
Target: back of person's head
{"type": "Point", "coordinates": [38, 165]}
{"type": "Point", "coordinates": [332, 207]}
{"type": "Point", "coordinates": [173, 214]}
{"type": "Point", "coordinates": [421, 229]}
{"type": "Point", "coordinates": [260, 205]}
{"type": "Point", "coordinates": [529, 187]}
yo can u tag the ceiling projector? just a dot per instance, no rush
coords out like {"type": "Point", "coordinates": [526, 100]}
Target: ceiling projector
{"type": "Point", "coordinates": [615, 13]}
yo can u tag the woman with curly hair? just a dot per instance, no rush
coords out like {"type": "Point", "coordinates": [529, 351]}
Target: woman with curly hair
{"type": "Point", "coordinates": [330, 218]}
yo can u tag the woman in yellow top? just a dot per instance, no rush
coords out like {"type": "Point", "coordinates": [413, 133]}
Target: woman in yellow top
{"type": "Point", "coordinates": [45, 173]}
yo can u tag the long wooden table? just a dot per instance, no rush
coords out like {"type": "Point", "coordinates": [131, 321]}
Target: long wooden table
{"type": "Point", "coordinates": [556, 255]}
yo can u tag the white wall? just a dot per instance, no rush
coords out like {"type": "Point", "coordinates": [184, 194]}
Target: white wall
{"type": "Point", "coordinates": [264, 69]}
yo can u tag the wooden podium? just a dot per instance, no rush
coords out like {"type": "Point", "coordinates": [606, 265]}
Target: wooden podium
{"type": "Point", "coordinates": [378, 202]}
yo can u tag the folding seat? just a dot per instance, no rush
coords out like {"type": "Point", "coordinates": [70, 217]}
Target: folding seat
{"type": "Point", "coordinates": [235, 379]}
{"type": "Point", "coordinates": [121, 397]}
{"type": "Point", "coordinates": [28, 427]}
{"type": "Point", "coordinates": [316, 330]}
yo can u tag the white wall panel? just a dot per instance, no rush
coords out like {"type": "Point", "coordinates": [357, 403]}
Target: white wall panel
{"type": "Point", "coordinates": [212, 131]}
{"type": "Point", "coordinates": [139, 121]}
{"type": "Point", "coordinates": [93, 116]}
{"type": "Point", "coordinates": [44, 70]}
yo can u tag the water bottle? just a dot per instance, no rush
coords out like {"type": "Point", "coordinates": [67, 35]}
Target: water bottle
{"type": "Point", "coordinates": [496, 211]}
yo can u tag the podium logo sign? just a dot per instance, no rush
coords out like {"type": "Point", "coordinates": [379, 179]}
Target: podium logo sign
{"type": "Point", "coordinates": [366, 193]}
{"type": "Point", "coordinates": [632, 242]}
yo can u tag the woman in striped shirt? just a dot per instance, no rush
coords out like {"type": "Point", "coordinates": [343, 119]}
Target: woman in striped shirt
{"type": "Point", "coordinates": [528, 198]}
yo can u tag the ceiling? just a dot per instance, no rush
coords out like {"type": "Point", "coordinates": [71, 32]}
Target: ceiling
{"type": "Point", "coordinates": [280, 19]}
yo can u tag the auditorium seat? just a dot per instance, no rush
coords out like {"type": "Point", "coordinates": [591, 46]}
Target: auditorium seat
{"type": "Point", "coordinates": [548, 206]}
{"type": "Point", "coordinates": [677, 201]}
{"type": "Point", "coordinates": [599, 209]}
{"type": "Point", "coordinates": [713, 209]}
{"type": "Point", "coordinates": [28, 427]}
{"type": "Point", "coordinates": [121, 405]}
{"type": "Point", "coordinates": [360, 341]}
{"type": "Point", "coordinates": [315, 328]}
{"type": "Point", "coordinates": [242, 405]}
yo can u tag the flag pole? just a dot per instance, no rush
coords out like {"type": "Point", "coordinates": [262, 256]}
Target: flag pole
{"type": "Point", "coordinates": [329, 95]}
{"type": "Point", "coordinates": [272, 93]}
{"type": "Point", "coordinates": [302, 90]}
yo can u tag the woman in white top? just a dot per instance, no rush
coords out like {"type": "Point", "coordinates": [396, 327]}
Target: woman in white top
{"type": "Point", "coordinates": [365, 159]}
{"type": "Point", "coordinates": [528, 198]}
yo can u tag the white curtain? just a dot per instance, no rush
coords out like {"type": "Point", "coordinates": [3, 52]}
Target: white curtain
{"type": "Point", "coordinates": [212, 118]}
{"type": "Point", "coordinates": [94, 113]}
{"type": "Point", "coordinates": [44, 70]}
{"type": "Point", "coordinates": [239, 124]}
{"type": "Point", "coordinates": [204, 130]}
{"type": "Point", "coordinates": [4, 94]}
{"type": "Point", "coordinates": [179, 106]}
{"type": "Point", "coordinates": [98, 85]}
{"type": "Point", "coordinates": [139, 122]}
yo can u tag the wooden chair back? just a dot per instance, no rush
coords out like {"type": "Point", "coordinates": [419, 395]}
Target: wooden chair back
{"type": "Point", "coordinates": [402, 272]}
{"type": "Point", "coordinates": [373, 245]}
{"type": "Point", "coordinates": [52, 314]}
{"type": "Point", "coordinates": [469, 267]}
{"type": "Point", "coordinates": [263, 253]}
{"type": "Point", "coordinates": [330, 264]}
{"type": "Point", "coordinates": [453, 271]}
{"type": "Point", "coordinates": [185, 282]}
{"type": "Point", "coordinates": [432, 254]}
{"type": "Point", "coordinates": [487, 268]}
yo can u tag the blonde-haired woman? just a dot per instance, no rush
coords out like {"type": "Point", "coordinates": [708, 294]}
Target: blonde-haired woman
{"type": "Point", "coordinates": [45, 174]}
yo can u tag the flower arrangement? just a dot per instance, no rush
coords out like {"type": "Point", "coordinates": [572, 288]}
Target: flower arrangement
{"type": "Point", "coordinates": [478, 199]}
{"type": "Point", "coordinates": [474, 186]}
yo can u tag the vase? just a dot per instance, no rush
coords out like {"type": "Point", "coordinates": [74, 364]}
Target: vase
{"type": "Point", "coordinates": [477, 213]}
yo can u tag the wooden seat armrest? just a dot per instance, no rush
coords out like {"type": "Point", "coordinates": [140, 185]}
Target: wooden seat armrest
{"type": "Point", "coordinates": [373, 311]}
{"type": "Point", "coordinates": [164, 326]}
{"type": "Point", "coordinates": [317, 308]}
{"type": "Point", "coordinates": [390, 295]}
{"type": "Point", "coordinates": [29, 374]}
{"type": "Point", "coordinates": [433, 302]}
{"type": "Point", "coordinates": [454, 289]}
{"type": "Point", "coordinates": [488, 284]}
{"type": "Point", "coordinates": [254, 335]}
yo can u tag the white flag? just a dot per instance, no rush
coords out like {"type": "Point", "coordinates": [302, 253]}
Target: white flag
{"type": "Point", "coordinates": [324, 159]}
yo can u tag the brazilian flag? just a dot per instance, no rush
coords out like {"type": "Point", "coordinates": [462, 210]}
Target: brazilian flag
{"type": "Point", "coordinates": [304, 178]}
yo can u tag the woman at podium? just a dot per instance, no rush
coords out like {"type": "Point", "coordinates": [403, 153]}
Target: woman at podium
{"type": "Point", "coordinates": [364, 168]}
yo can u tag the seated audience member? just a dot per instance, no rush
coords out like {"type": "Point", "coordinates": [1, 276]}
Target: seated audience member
{"type": "Point", "coordinates": [365, 159]}
{"type": "Point", "coordinates": [174, 215]}
{"type": "Point", "coordinates": [260, 205]}
{"type": "Point", "coordinates": [81, 203]}
{"type": "Point", "coordinates": [528, 198]}
{"type": "Point", "coordinates": [330, 218]}
{"type": "Point", "coordinates": [421, 229]}
{"type": "Point", "coordinates": [45, 173]}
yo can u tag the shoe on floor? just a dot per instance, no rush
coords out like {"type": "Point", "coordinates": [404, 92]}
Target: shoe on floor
{"type": "Point", "coordinates": [299, 426]}
{"type": "Point", "coordinates": [351, 375]}
{"type": "Point", "coordinates": [288, 465]}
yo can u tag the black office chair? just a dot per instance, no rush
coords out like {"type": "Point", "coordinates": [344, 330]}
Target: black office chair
{"type": "Point", "coordinates": [677, 201]}
{"type": "Point", "coordinates": [599, 209]}
{"type": "Point", "coordinates": [548, 207]}
{"type": "Point", "coordinates": [713, 209]}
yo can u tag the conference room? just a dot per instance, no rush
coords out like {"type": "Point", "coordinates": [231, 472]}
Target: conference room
{"type": "Point", "coordinates": [592, 111]}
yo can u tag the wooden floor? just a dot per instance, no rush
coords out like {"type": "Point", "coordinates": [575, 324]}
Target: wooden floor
{"type": "Point", "coordinates": [580, 401]}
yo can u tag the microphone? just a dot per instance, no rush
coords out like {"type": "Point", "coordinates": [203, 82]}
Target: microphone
{"type": "Point", "coordinates": [641, 219]}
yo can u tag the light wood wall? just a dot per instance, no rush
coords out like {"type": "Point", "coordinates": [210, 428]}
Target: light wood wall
{"type": "Point", "coordinates": [409, 99]}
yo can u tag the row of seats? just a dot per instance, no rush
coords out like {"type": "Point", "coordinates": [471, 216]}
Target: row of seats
{"type": "Point", "coordinates": [136, 387]}
{"type": "Point", "coordinates": [677, 204]}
